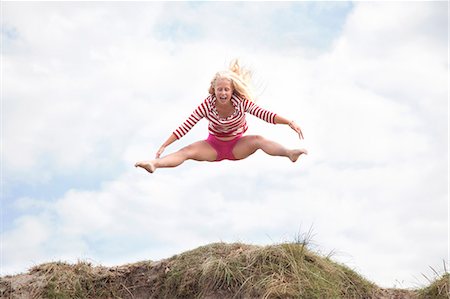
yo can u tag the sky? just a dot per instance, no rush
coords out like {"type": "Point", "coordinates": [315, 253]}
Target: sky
{"type": "Point", "coordinates": [90, 88]}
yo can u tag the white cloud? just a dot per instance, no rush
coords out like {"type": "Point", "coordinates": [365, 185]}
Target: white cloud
{"type": "Point", "coordinates": [30, 236]}
{"type": "Point", "coordinates": [109, 89]}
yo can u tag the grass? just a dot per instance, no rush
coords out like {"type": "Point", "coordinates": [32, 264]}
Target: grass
{"type": "Point", "coordinates": [81, 280]}
{"type": "Point", "coordinates": [438, 289]}
{"type": "Point", "coordinates": [218, 270]}
{"type": "Point", "coordinates": [244, 271]}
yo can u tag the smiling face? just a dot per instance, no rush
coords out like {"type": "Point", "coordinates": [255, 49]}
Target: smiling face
{"type": "Point", "coordinates": [223, 90]}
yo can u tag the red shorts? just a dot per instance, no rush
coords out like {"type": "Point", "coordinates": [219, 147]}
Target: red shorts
{"type": "Point", "coordinates": [224, 149]}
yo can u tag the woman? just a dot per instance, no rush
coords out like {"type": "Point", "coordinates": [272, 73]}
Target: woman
{"type": "Point", "coordinates": [230, 98]}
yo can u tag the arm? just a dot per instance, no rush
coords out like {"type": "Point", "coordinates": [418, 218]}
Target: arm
{"type": "Point", "coordinates": [281, 120]}
{"type": "Point", "coordinates": [168, 142]}
{"type": "Point", "coordinates": [198, 114]}
{"type": "Point", "coordinates": [271, 117]}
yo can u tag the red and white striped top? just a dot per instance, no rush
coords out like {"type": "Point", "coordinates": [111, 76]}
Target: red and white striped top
{"type": "Point", "coordinates": [233, 125]}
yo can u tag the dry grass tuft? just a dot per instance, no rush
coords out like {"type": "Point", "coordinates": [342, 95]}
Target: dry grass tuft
{"type": "Point", "coordinates": [279, 271]}
{"type": "Point", "coordinates": [81, 280]}
{"type": "Point", "coordinates": [439, 289]}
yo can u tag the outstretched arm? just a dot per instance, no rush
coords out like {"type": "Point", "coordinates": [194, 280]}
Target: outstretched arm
{"type": "Point", "coordinates": [271, 117]}
{"type": "Point", "coordinates": [281, 120]}
{"type": "Point", "coordinates": [198, 114]}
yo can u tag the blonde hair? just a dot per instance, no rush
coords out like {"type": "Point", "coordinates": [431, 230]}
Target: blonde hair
{"type": "Point", "coordinates": [240, 79]}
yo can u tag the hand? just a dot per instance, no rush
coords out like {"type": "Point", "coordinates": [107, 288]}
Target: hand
{"type": "Point", "coordinates": [296, 128]}
{"type": "Point", "coordinates": [160, 151]}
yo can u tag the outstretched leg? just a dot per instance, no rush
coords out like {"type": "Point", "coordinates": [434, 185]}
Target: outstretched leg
{"type": "Point", "coordinates": [199, 151]}
{"type": "Point", "coordinates": [248, 145]}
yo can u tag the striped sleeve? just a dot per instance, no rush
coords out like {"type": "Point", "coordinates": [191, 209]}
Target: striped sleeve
{"type": "Point", "coordinates": [259, 112]}
{"type": "Point", "coordinates": [195, 117]}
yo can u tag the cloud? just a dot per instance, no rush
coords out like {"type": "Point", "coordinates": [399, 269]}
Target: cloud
{"type": "Point", "coordinates": [108, 83]}
{"type": "Point", "coordinates": [84, 59]}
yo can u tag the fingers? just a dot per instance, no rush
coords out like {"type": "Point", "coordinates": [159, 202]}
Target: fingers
{"type": "Point", "coordinates": [159, 152]}
{"type": "Point", "coordinates": [300, 134]}
{"type": "Point", "coordinates": [299, 131]}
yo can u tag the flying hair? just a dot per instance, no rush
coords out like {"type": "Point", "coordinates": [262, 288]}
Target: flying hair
{"type": "Point", "coordinates": [240, 78]}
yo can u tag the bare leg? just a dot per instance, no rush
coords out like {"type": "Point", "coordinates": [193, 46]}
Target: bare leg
{"type": "Point", "coordinates": [199, 151]}
{"type": "Point", "coordinates": [248, 145]}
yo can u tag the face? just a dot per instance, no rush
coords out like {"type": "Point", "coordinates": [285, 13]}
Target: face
{"type": "Point", "coordinates": [223, 90]}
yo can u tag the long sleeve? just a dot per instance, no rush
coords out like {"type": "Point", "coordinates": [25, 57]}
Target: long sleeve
{"type": "Point", "coordinates": [195, 117]}
{"type": "Point", "coordinates": [259, 112]}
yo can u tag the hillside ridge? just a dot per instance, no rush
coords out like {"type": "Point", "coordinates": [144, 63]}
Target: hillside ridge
{"type": "Point", "coordinates": [218, 270]}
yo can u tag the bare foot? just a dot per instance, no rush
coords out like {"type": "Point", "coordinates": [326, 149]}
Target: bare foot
{"type": "Point", "coordinates": [294, 154]}
{"type": "Point", "coordinates": [147, 165]}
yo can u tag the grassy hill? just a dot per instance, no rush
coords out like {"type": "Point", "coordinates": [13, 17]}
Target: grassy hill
{"type": "Point", "coordinates": [217, 270]}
